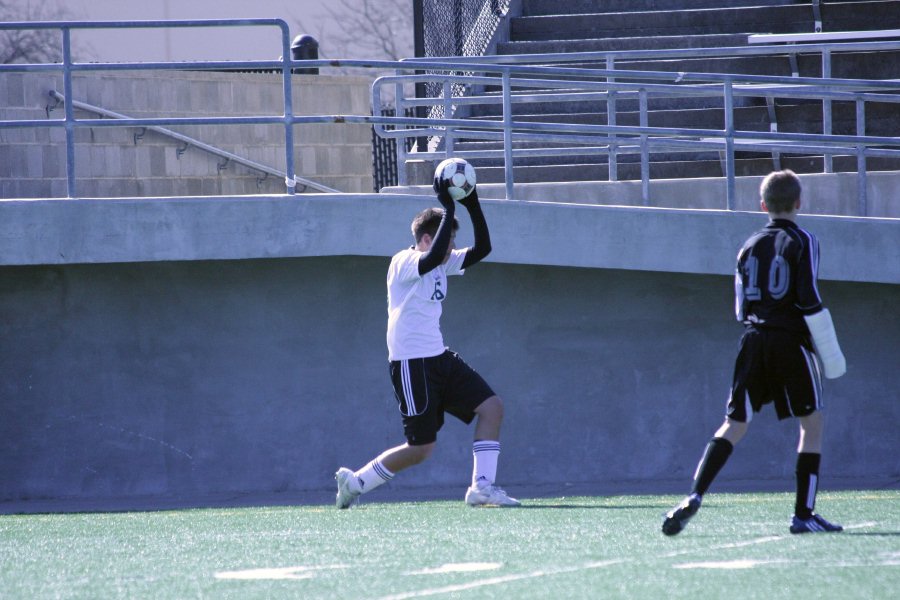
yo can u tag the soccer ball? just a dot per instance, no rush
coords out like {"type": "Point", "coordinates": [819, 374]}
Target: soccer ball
{"type": "Point", "coordinates": [461, 175]}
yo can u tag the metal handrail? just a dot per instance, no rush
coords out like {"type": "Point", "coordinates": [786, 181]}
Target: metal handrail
{"type": "Point", "coordinates": [67, 67]}
{"type": "Point", "coordinates": [726, 86]}
{"type": "Point", "coordinates": [611, 57]}
{"type": "Point", "coordinates": [607, 84]}
{"type": "Point", "coordinates": [604, 56]}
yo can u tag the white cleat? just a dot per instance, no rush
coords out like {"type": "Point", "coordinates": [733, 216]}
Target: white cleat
{"type": "Point", "coordinates": [346, 496]}
{"type": "Point", "coordinates": [489, 495]}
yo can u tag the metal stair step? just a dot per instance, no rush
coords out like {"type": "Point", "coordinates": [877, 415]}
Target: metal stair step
{"type": "Point", "coordinates": [791, 18]}
{"type": "Point", "coordinates": [678, 170]}
{"type": "Point", "coordinates": [559, 7]}
{"type": "Point", "coordinates": [531, 46]}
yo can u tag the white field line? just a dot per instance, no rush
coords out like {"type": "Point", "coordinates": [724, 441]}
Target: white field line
{"type": "Point", "coordinates": [861, 525]}
{"type": "Point", "coordinates": [458, 568]}
{"type": "Point", "coordinates": [301, 572]}
{"type": "Point", "coordinates": [498, 580]}
{"type": "Point", "coordinates": [729, 564]}
{"type": "Point", "coordinates": [762, 540]}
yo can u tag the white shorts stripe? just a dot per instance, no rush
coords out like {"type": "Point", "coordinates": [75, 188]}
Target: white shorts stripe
{"type": "Point", "coordinates": [815, 376]}
{"type": "Point", "coordinates": [407, 388]}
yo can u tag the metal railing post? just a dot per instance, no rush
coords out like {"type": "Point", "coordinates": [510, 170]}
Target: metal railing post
{"type": "Point", "coordinates": [70, 113]}
{"type": "Point", "coordinates": [400, 110]}
{"type": "Point", "coordinates": [862, 208]}
{"type": "Point", "coordinates": [287, 87]}
{"type": "Point", "coordinates": [729, 146]}
{"type": "Point", "coordinates": [613, 163]}
{"type": "Point", "coordinates": [448, 114]}
{"type": "Point", "coordinates": [507, 135]}
{"type": "Point", "coordinates": [645, 151]}
{"type": "Point", "coordinates": [826, 110]}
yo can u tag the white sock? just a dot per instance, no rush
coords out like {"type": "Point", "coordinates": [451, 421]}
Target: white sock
{"type": "Point", "coordinates": [372, 475]}
{"type": "Point", "coordinates": [485, 454]}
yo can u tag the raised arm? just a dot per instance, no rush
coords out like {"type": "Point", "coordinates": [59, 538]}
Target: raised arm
{"type": "Point", "coordinates": [482, 246]}
{"type": "Point", "coordinates": [438, 250]}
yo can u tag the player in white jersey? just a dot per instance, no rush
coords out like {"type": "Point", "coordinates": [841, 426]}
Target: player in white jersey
{"type": "Point", "coordinates": [429, 379]}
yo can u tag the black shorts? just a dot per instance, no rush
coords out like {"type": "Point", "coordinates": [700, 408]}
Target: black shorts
{"type": "Point", "coordinates": [778, 366]}
{"type": "Point", "coordinates": [426, 388]}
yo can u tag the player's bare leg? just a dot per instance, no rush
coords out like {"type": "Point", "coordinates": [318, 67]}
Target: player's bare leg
{"type": "Point", "coordinates": [405, 456]}
{"type": "Point", "coordinates": [732, 430]}
{"type": "Point", "coordinates": [490, 417]}
{"type": "Point", "coordinates": [811, 427]}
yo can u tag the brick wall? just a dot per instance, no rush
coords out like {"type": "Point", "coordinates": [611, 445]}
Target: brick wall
{"type": "Point", "coordinates": [117, 162]}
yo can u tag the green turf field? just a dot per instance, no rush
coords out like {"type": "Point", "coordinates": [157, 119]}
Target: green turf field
{"type": "Point", "coordinates": [577, 547]}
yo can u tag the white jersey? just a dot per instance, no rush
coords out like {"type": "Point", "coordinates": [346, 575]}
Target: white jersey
{"type": "Point", "coordinates": [414, 304]}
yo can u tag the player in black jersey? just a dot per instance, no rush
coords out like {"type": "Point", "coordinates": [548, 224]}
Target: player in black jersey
{"type": "Point", "coordinates": [788, 342]}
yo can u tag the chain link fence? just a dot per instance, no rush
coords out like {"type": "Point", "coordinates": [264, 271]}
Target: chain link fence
{"type": "Point", "coordinates": [457, 28]}
{"type": "Point", "coordinates": [441, 28]}
{"type": "Point", "coordinates": [384, 153]}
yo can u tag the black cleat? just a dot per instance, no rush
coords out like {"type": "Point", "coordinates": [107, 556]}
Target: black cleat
{"type": "Point", "coordinates": [678, 517]}
{"type": "Point", "coordinates": [814, 524]}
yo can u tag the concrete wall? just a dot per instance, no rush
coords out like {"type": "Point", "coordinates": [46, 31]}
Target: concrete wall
{"type": "Point", "coordinates": [192, 381]}
{"type": "Point", "coordinates": [113, 162]}
{"type": "Point", "coordinates": [192, 351]}
{"type": "Point", "coordinates": [541, 233]}
{"type": "Point", "coordinates": [823, 194]}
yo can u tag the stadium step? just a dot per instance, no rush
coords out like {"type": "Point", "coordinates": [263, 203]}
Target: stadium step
{"type": "Point", "coordinates": [576, 26]}
{"type": "Point", "coordinates": [843, 65]}
{"type": "Point", "coordinates": [532, 46]}
{"type": "Point", "coordinates": [799, 117]}
{"type": "Point", "coordinates": [631, 171]}
{"type": "Point", "coordinates": [775, 18]}
{"type": "Point", "coordinates": [536, 8]}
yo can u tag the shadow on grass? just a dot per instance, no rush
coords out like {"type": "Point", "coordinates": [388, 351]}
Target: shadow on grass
{"type": "Point", "coordinates": [584, 506]}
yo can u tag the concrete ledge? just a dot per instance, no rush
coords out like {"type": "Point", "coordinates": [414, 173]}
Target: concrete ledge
{"type": "Point", "coordinates": [35, 232]}
{"type": "Point", "coordinates": [823, 193]}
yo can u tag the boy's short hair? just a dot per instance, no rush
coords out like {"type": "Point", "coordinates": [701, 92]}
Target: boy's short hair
{"type": "Point", "coordinates": [428, 222]}
{"type": "Point", "coordinates": [780, 190]}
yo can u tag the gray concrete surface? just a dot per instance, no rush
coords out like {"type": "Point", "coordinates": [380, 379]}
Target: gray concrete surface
{"type": "Point", "coordinates": [188, 352]}
{"type": "Point", "coordinates": [823, 194]}
{"type": "Point", "coordinates": [530, 232]}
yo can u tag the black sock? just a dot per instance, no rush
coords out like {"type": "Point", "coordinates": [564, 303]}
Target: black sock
{"type": "Point", "coordinates": [714, 458]}
{"type": "Point", "coordinates": [807, 483]}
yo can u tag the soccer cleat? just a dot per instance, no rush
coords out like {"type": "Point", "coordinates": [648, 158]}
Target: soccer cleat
{"type": "Point", "coordinates": [814, 524]}
{"type": "Point", "coordinates": [678, 517]}
{"type": "Point", "coordinates": [489, 495]}
{"type": "Point", "coordinates": [346, 497]}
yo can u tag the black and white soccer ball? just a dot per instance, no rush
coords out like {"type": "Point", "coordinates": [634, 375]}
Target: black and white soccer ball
{"type": "Point", "coordinates": [460, 174]}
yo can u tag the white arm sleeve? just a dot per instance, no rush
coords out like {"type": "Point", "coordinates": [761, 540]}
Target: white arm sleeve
{"type": "Point", "coordinates": [824, 338]}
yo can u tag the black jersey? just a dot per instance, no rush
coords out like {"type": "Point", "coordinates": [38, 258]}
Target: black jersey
{"type": "Point", "coordinates": [775, 279]}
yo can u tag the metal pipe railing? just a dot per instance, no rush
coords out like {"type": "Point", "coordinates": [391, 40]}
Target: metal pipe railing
{"type": "Point", "coordinates": [565, 84]}
{"type": "Point", "coordinates": [67, 67]}
{"type": "Point", "coordinates": [189, 141]}
{"type": "Point", "coordinates": [608, 86]}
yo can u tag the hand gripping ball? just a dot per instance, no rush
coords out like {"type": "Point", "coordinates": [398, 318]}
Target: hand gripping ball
{"type": "Point", "coordinates": [460, 174]}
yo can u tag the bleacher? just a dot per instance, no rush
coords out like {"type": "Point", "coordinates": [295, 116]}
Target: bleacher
{"type": "Point", "coordinates": [632, 27]}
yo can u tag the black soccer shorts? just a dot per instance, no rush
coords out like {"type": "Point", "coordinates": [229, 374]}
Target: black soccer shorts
{"type": "Point", "coordinates": [426, 388]}
{"type": "Point", "coordinates": [777, 366]}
